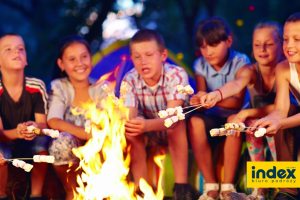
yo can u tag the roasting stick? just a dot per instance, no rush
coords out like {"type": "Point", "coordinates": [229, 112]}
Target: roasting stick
{"type": "Point", "coordinates": [191, 106]}
{"type": "Point", "coordinates": [16, 159]}
{"type": "Point", "coordinates": [193, 109]}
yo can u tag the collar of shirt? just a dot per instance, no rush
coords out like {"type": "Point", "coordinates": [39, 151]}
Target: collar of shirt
{"type": "Point", "coordinates": [141, 84]}
{"type": "Point", "coordinates": [225, 70]}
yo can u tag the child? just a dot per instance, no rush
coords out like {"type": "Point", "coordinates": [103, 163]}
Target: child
{"type": "Point", "coordinates": [287, 78]}
{"type": "Point", "coordinates": [218, 65]}
{"type": "Point", "coordinates": [23, 102]}
{"type": "Point", "coordinates": [260, 81]}
{"type": "Point", "coordinates": [74, 67]}
{"type": "Point", "coordinates": [152, 87]}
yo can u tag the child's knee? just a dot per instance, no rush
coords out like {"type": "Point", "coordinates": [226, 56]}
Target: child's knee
{"type": "Point", "coordinates": [196, 123]}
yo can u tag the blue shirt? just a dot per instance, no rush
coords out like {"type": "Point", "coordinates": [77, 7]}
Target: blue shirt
{"type": "Point", "coordinates": [216, 79]}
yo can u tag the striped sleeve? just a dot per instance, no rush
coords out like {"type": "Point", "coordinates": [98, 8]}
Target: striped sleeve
{"type": "Point", "coordinates": [37, 88]}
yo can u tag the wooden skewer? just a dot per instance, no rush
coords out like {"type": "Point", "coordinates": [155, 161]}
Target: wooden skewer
{"type": "Point", "coordinates": [191, 106]}
{"type": "Point", "coordinates": [16, 159]}
{"type": "Point", "coordinates": [193, 109]}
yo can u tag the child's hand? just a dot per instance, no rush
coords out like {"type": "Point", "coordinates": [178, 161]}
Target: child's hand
{"type": "Point", "coordinates": [271, 125]}
{"type": "Point", "coordinates": [22, 131]}
{"type": "Point", "coordinates": [2, 161]}
{"type": "Point", "coordinates": [195, 99]}
{"type": "Point", "coordinates": [210, 99]}
{"type": "Point", "coordinates": [135, 126]}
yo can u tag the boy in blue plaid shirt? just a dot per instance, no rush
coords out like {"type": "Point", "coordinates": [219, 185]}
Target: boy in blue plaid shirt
{"type": "Point", "coordinates": [152, 87]}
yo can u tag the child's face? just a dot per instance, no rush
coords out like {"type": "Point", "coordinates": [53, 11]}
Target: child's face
{"type": "Point", "coordinates": [291, 41]}
{"type": "Point", "coordinates": [12, 53]}
{"type": "Point", "coordinates": [266, 47]}
{"type": "Point", "coordinates": [148, 60]}
{"type": "Point", "coordinates": [76, 62]}
{"type": "Point", "coordinates": [216, 55]}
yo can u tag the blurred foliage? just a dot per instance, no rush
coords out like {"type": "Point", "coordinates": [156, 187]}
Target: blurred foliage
{"type": "Point", "coordinates": [42, 23]}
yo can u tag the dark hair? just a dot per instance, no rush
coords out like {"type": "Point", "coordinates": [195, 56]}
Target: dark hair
{"type": "Point", "coordinates": [9, 34]}
{"type": "Point", "coordinates": [212, 31]}
{"type": "Point", "coordinates": [277, 28]}
{"type": "Point", "coordinates": [144, 35]}
{"type": "Point", "coordinates": [63, 44]}
{"type": "Point", "coordinates": [294, 17]}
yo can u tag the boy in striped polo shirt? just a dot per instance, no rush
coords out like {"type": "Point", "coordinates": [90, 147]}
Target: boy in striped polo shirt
{"type": "Point", "coordinates": [152, 87]}
{"type": "Point", "coordinates": [23, 102]}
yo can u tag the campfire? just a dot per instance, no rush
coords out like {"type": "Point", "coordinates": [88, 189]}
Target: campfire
{"type": "Point", "coordinates": [105, 158]}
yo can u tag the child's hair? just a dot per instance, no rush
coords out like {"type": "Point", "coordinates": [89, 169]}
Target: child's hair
{"type": "Point", "coordinates": [212, 31]}
{"type": "Point", "coordinates": [277, 29]}
{"type": "Point", "coordinates": [294, 17]}
{"type": "Point", "coordinates": [144, 35]}
{"type": "Point", "coordinates": [9, 34]}
{"type": "Point", "coordinates": [63, 44]}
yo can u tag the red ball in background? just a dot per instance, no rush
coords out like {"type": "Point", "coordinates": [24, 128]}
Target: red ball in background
{"type": "Point", "coordinates": [251, 8]}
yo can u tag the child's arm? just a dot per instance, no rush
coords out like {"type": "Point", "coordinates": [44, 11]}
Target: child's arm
{"type": "Point", "coordinates": [254, 112]}
{"type": "Point", "coordinates": [277, 118]}
{"type": "Point", "coordinates": [138, 125]}
{"type": "Point", "coordinates": [232, 92]}
{"type": "Point", "coordinates": [64, 126]}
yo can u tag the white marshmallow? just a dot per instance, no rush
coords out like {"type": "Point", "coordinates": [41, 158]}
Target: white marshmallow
{"type": "Point", "coordinates": [28, 167]}
{"type": "Point", "coordinates": [260, 132]}
{"type": "Point", "coordinates": [188, 89]}
{"type": "Point", "coordinates": [31, 128]}
{"type": "Point", "coordinates": [163, 114]}
{"type": "Point", "coordinates": [242, 126]}
{"type": "Point", "coordinates": [21, 163]}
{"type": "Point", "coordinates": [227, 126]}
{"type": "Point", "coordinates": [178, 109]}
{"type": "Point", "coordinates": [168, 122]}
{"type": "Point", "coordinates": [174, 119]}
{"type": "Point", "coordinates": [223, 131]}
{"type": "Point", "coordinates": [230, 132]}
{"type": "Point", "coordinates": [36, 158]}
{"type": "Point", "coordinates": [171, 111]}
{"type": "Point", "coordinates": [235, 126]}
{"type": "Point", "coordinates": [181, 116]}
{"type": "Point", "coordinates": [180, 88]}
{"type": "Point", "coordinates": [54, 134]}
{"type": "Point", "coordinates": [50, 159]}
{"type": "Point", "coordinates": [105, 88]}
{"type": "Point", "coordinates": [43, 158]}
{"type": "Point", "coordinates": [15, 162]}
{"type": "Point", "coordinates": [214, 132]}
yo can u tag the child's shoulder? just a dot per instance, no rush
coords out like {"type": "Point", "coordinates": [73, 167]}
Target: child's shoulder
{"type": "Point", "coordinates": [34, 82]}
{"type": "Point", "coordinates": [173, 70]}
{"type": "Point", "coordinates": [283, 66]}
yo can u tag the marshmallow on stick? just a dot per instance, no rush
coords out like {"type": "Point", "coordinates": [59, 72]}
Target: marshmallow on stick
{"type": "Point", "coordinates": [163, 114]}
{"type": "Point", "coordinates": [168, 122]}
{"type": "Point", "coordinates": [214, 132]}
{"type": "Point", "coordinates": [20, 163]}
{"type": "Point", "coordinates": [33, 129]}
{"type": "Point", "coordinates": [187, 90]}
{"type": "Point", "coordinates": [43, 158]}
{"type": "Point", "coordinates": [50, 132]}
{"type": "Point", "coordinates": [260, 132]}
{"type": "Point", "coordinates": [88, 126]}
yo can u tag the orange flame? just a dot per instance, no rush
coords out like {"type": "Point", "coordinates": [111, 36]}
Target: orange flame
{"type": "Point", "coordinates": [105, 158]}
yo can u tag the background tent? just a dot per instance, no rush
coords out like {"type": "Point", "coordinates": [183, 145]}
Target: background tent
{"type": "Point", "coordinates": [113, 62]}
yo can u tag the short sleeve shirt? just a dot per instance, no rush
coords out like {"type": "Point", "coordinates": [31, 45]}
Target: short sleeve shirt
{"type": "Point", "coordinates": [216, 79]}
{"type": "Point", "coordinates": [33, 100]}
{"type": "Point", "coordinates": [150, 102]}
